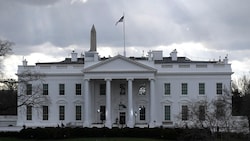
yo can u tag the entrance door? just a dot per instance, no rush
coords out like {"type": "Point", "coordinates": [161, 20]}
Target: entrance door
{"type": "Point", "coordinates": [122, 118]}
{"type": "Point", "coordinates": [102, 113]}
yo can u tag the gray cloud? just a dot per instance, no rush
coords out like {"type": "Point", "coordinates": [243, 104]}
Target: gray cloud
{"type": "Point", "coordinates": [217, 24]}
{"type": "Point", "coordinates": [36, 2]}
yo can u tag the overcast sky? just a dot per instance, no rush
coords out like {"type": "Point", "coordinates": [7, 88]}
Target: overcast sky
{"type": "Point", "coordinates": [48, 30]}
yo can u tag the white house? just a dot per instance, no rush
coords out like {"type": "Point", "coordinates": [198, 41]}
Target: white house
{"type": "Point", "coordinates": [147, 91]}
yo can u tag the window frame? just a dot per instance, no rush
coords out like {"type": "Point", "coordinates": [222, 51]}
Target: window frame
{"type": "Point", "coordinates": [184, 112]}
{"type": "Point", "coordinates": [103, 89]}
{"type": "Point", "coordinates": [61, 112]}
{"type": "Point", "coordinates": [122, 89]}
{"type": "Point", "coordinates": [184, 88]}
{"type": "Point", "coordinates": [220, 109]}
{"type": "Point", "coordinates": [78, 89]}
{"type": "Point", "coordinates": [28, 89]}
{"type": "Point", "coordinates": [78, 112]}
{"type": "Point", "coordinates": [219, 88]}
{"type": "Point", "coordinates": [45, 110]}
{"type": "Point", "coordinates": [167, 112]}
{"type": "Point", "coordinates": [45, 89]}
{"type": "Point", "coordinates": [142, 113]}
{"type": "Point", "coordinates": [167, 88]}
{"type": "Point", "coordinates": [202, 112]}
{"type": "Point", "coordinates": [28, 112]}
{"type": "Point", "coordinates": [202, 88]}
{"type": "Point", "coordinates": [61, 89]}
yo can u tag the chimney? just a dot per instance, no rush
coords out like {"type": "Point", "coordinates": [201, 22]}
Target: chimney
{"type": "Point", "coordinates": [173, 55]}
{"type": "Point", "coordinates": [150, 56]}
{"type": "Point", "coordinates": [25, 62]}
{"type": "Point", "coordinates": [73, 56]}
{"type": "Point", "coordinates": [157, 55]}
{"type": "Point", "coordinates": [226, 59]}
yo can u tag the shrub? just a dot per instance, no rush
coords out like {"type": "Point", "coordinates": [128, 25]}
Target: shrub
{"type": "Point", "coordinates": [162, 133]}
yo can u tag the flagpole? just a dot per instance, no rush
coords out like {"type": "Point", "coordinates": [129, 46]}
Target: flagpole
{"type": "Point", "coordinates": [124, 43]}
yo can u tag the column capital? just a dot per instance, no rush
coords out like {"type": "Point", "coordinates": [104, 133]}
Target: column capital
{"type": "Point", "coordinates": [107, 79]}
{"type": "Point", "coordinates": [151, 78]}
{"type": "Point", "coordinates": [130, 78]}
{"type": "Point", "coordinates": [86, 79]}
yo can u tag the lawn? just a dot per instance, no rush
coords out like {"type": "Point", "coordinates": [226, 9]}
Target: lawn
{"type": "Point", "coordinates": [87, 139]}
{"type": "Point", "coordinates": [103, 139]}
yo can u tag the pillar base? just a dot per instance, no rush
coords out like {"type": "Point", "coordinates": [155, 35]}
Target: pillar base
{"type": "Point", "coordinates": [86, 124]}
{"type": "Point", "coordinates": [152, 124]}
{"type": "Point", "coordinates": [131, 124]}
{"type": "Point", "coordinates": [108, 124]}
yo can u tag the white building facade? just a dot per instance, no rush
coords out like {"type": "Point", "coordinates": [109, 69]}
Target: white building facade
{"type": "Point", "coordinates": [90, 91]}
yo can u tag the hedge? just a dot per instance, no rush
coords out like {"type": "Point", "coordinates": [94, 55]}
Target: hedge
{"type": "Point", "coordinates": [158, 133]}
{"type": "Point", "coordinates": [180, 134]}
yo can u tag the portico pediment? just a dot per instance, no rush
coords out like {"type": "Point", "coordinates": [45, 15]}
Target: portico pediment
{"type": "Point", "coordinates": [119, 64]}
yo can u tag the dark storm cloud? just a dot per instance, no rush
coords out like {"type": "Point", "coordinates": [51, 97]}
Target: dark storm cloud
{"type": "Point", "coordinates": [225, 23]}
{"type": "Point", "coordinates": [55, 27]}
{"type": "Point", "coordinates": [217, 24]}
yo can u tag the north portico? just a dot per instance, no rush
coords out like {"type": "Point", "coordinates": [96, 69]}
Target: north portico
{"type": "Point", "coordinates": [119, 92]}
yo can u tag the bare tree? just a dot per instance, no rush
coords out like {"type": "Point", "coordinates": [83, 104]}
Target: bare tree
{"type": "Point", "coordinates": [9, 84]}
{"type": "Point", "coordinates": [213, 114]}
{"type": "Point", "coordinates": [30, 89]}
{"type": "Point", "coordinates": [5, 47]}
{"type": "Point", "coordinates": [241, 94]}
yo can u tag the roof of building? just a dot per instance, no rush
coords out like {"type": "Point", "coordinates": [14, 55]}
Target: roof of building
{"type": "Point", "coordinates": [66, 61]}
{"type": "Point", "coordinates": [180, 60]}
{"type": "Point", "coordinates": [163, 61]}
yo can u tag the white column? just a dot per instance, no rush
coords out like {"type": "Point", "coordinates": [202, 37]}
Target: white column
{"type": "Point", "coordinates": [87, 119]}
{"type": "Point", "coordinates": [130, 104]}
{"type": "Point", "coordinates": [152, 103]}
{"type": "Point", "coordinates": [108, 103]}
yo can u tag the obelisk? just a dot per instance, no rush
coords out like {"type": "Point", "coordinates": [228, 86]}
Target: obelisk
{"type": "Point", "coordinates": [93, 39]}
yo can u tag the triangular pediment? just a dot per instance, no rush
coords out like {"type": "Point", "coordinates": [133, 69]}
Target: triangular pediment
{"type": "Point", "coordinates": [119, 64]}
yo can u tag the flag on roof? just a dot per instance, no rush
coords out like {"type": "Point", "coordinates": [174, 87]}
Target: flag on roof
{"type": "Point", "coordinates": [120, 20]}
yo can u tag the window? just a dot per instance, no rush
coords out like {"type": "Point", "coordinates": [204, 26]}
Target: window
{"type": "Point", "coordinates": [142, 89]}
{"type": "Point", "coordinates": [61, 112]}
{"type": "Point", "coordinates": [29, 113]}
{"type": "Point", "coordinates": [29, 89]}
{"type": "Point", "coordinates": [45, 112]}
{"type": "Point", "coordinates": [202, 112]}
{"type": "Point", "coordinates": [61, 89]}
{"type": "Point", "coordinates": [102, 113]}
{"type": "Point", "coordinates": [167, 112]}
{"type": "Point", "coordinates": [45, 89]}
{"type": "Point", "coordinates": [78, 89]}
{"type": "Point", "coordinates": [201, 88]}
{"type": "Point", "coordinates": [142, 112]}
{"type": "Point", "coordinates": [167, 88]}
{"type": "Point", "coordinates": [219, 88]}
{"type": "Point", "coordinates": [184, 88]}
{"type": "Point", "coordinates": [78, 112]}
{"type": "Point", "coordinates": [122, 89]}
{"type": "Point", "coordinates": [220, 109]}
{"type": "Point", "coordinates": [102, 89]}
{"type": "Point", "coordinates": [184, 112]}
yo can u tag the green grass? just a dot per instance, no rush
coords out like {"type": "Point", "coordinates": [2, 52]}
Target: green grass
{"type": "Point", "coordinates": [87, 139]}
{"type": "Point", "coordinates": [101, 139]}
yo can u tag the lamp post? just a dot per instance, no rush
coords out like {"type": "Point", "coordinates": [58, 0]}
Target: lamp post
{"type": "Point", "coordinates": [135, 114]}
{"type": "Point", "coordinates": [99, 113]}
